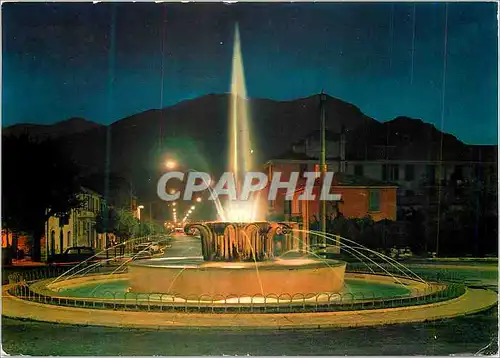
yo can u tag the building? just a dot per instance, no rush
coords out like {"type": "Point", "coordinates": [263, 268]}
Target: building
{"type": "Point", "coordinates": [418, 157]}
{"type": "Point", "coordinates": [79, 228]}
{"type": "Point", "coordinates": [420, 178]}
{"type": "Point", "coordinates": [303, 157]}
{"type": "Point", "coordinates": [360, 196]}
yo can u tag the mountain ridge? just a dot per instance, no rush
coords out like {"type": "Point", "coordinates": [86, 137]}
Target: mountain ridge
{"type": "Point", "coordinates": [195, 131]}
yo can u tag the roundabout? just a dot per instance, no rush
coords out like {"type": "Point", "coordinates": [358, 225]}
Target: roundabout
{"type": "Point", "coordinates": [365, 300]}
{"type": "Point", "coordinates": [472, 301]}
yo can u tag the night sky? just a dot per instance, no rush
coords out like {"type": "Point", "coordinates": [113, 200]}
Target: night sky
{"type": "Point", "coordinates": [107, 61]}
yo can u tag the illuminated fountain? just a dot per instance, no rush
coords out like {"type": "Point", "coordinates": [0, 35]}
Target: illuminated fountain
{"type": "Point", "coordinates": [238, 251]}
{"type": "Point", "coordinates": [240, 271]}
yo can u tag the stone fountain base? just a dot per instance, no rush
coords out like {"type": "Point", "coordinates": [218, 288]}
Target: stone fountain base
{"type": "Point", "coordinates": [279, 277]}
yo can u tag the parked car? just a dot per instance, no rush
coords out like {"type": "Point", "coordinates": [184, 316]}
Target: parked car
{"type": "Point", "coordinates": [74, 255]}
{"type": "Point", "coordinates": [142, 251]}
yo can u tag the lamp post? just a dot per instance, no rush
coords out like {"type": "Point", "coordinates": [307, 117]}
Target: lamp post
{"type": "Point", "coordinates": [139, 211]}
{"type": "Point", "coordinates": [323, 164]}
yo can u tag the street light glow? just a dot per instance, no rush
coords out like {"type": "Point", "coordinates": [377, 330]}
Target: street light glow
{"type": "Point", "coordinates": [192, 207]}
{"type": "Point", "coordinates": [198, 199]}
{"type": "Point", "coordinates": [170, 164]}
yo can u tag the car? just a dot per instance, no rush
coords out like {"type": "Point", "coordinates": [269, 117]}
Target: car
{"type": "Point", "coordinates": [142, 251]}
{"type": "Point", "coordinates": [142, 247]}
{"type": "Point", "coordinates": [74, 255]}
{"type": "Point", "coordinates": [154, 247]}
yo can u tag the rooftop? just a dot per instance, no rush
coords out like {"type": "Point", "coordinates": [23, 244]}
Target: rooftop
{"type": "Point", "coordinates": [343, 179]}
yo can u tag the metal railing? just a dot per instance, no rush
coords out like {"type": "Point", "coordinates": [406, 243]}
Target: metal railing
{"type": "Point", "coordinates": [271, 303]}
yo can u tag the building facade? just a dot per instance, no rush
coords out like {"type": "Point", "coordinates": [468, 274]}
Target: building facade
{"type": "Point", "coordinates": [420, 180]}
{"type": "Point", "coordinates": [79, 228]}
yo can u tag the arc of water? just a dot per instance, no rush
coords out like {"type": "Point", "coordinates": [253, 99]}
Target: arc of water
{"type": "Point", "coordinates": [385, 257]}
{"type": "Point", "coordinates": [88, 268]}
{"type": "Point", "coordinates": [97, 264]}
{"type": "Point", "coordinates": [175, 279]}
{"type": "Point", "coordinates": [218, 205]}
{"type": "Point", "coordinates": [254, 260]}
{"type": "Point", "coordinates": [124, 263]}
{"type": "Point", "coordinates": [321, 234]}
{"type": "Point", "coordinates": [348, 247]}
{"type": "Point", "coordinates": [314, 254]}
{"type": "Point", "coordinates": [353, 249]}
{"type": "Point", "coordinates": [90, 258]}
{"type": "Point", "coordinates": [326, 263]}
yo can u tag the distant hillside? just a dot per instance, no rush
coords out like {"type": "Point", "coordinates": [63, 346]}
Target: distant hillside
{"type": "Point", "coordinates": [64, 128]}
{"type": "Point", "coordinates": [405, 138]}
{"type": "Point", "coordinates": [195, 132]}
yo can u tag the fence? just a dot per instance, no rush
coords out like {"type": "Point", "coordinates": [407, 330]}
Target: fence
{"type": "Point", "coordinates": [271, 303]}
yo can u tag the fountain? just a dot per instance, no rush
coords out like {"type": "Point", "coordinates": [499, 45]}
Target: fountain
{"type": "Point", "coordinates": [238, 251]}
{"type": "Point", "coordinates": [240, 271]}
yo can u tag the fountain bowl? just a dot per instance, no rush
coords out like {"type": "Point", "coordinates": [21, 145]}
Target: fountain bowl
{"type": "Point", "coordinates": [279, 277]}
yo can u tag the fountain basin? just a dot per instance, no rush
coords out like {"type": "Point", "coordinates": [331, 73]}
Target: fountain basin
{"type": "Point", "coordinates": [295, 276]}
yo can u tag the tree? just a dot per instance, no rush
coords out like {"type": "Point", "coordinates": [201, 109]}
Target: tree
{"type": "Point", "coordinates": [126, 225]}
{"type": "Point", "coordinates": [39, 181]}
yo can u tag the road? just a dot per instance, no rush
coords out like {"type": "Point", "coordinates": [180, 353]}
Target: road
{"type": "Point", "coordinates": [184, 246]}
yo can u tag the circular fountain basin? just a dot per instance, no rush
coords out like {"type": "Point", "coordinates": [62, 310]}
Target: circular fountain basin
{"type": "Point", "coordinates": [281, 276]}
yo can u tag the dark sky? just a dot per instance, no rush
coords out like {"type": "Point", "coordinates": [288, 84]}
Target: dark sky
{"type": "Point", "coordinates": [104, 61]}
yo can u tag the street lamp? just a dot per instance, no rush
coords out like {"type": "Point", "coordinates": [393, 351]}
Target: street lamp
{"type": "Point", "coordinates": [170, 164]}
{"type": "Point", "coordinates": [139, 211]}
{"type": "Point", "coordinates": [198, 200]}
{"type": "Point", "coordinates": [192, 207]}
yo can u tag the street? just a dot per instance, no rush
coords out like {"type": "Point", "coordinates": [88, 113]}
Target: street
{"type": "Point", "coordinates": [183, 246]}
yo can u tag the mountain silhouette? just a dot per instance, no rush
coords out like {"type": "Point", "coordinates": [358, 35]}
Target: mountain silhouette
{"type": "Point", "coordinates": [59, 129]}
{"type": "Point", "coordinates": [195, 133]}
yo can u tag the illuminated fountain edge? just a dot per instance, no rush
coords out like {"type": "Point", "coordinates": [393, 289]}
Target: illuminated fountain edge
{"type": "Point", "coordinates": [238, 260]}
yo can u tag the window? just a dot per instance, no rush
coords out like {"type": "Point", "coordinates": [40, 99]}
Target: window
{"type": "Point", "coordinates": [358, 170]}
{"type": "Point", "coordinates": [409, 172]}
{"type": "Point", "coordinates": [374, 201]}
{"type": "Point", "coordinates": [431, 174]}
{"type": "Point", "coordinates": [390, 172]}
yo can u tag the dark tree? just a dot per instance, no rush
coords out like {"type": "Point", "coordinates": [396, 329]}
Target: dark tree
{"type": "Point", "coordinates": [39, 180]}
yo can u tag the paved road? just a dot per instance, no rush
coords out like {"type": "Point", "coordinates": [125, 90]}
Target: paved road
{"type": "Point", "coordinates": [471, 334]}
{"type": "Point", "coordinates": [184, 246]}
